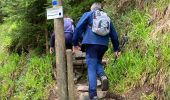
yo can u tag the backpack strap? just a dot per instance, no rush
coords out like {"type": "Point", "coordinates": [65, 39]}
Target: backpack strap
{"type": "Point", "coordinates": [92, 14]}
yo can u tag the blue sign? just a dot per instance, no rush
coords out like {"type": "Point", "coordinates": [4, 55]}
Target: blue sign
{"type": "Point", "coordinates": [54, 2]}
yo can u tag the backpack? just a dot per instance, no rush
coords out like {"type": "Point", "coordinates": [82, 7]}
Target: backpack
{"type": "Point", "coordinates": [68, 25]}
{"type": "Point", "coordinates": [101, 23]}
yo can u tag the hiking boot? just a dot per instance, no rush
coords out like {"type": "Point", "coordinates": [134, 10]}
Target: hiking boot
{"type": "Point", "coordinates": [105, 83]}
{"type": "Point", "coordinates": [94, 98]}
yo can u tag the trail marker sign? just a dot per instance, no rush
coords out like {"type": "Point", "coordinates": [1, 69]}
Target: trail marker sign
{"type": "Point", "coordinates": [55, 12]}
{"type": "Point", "coordinates": [54, 2]}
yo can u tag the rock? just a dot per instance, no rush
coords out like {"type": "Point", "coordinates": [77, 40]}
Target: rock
{"type": "Point", "coordinates": [82, 88]}
{"type": "Point", "coordinates": [84, 96]}
{"type": "Point", "coordinates": [101, 94]}
{"type": "Point", "coordinates": [79, 55]}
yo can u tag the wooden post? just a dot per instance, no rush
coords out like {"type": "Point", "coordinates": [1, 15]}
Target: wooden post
{"type": "Point", "coordinates": [70, 74]}
{"type": "Point", "coordinates": [60, 57]}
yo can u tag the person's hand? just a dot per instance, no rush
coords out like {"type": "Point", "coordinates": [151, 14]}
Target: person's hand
{"type": "Point", "coordinates": [51, 50]}
{"type": "Point", "coordinates": [76, 49]}
{"type": "Point", "coordinates": [117, 54]}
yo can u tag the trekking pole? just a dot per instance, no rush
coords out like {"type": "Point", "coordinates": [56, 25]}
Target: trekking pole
{"type": "Point", "coordinates": [125, 39]}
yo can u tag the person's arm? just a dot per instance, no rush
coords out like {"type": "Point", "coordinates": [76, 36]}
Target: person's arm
{"type": "Point", "coordinates": [80, 28]}
{"type": "Point", "coordinates": [114, 39]}
{"type": "Point", "coordinates": [73, 28]}
{"type": "Point", "coordinates": [52, 43]}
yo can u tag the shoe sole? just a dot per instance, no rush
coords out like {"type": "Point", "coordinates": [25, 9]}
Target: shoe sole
{"type": "Point", "coordinates": [105, 85]}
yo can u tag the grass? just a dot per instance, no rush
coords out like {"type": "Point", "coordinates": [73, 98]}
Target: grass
{"type": "Point", "coordinates": [29, 76]}
{"type": "Point", "coordinates": [148, 97]}
{"type": "Point", "coordinates": [129, 67]}
{"type": "Point", "coordinates": [141, 55]}
{"type": "Point", "coordinates": [25, 77]}
{"type": "Point", "coordinates": [160, 4]}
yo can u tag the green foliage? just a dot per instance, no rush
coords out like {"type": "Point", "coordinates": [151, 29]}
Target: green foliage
{"type": "Point", "coordinates": [160, 4]}
{"type": "Point", "coordinates": [168, 93]}
{"type": "Point", "coordinates": [5, 38]}
{"type": "Point", "coordinates": [76, 8]}
{"type": "Point", "coordinates": [9, 65]}
{"type": "Point", "coordinates": [25, 77]}
{"type": "Point", "coordinates": [125, 72]}
{"type": "Point", "coordinates": [141, 56]}
{"type": "Point", "coordinates": [29, 19]}
{"type": "Point", "coordinates": [28, 76]}
{"type": "Point", "coordinates": [34, 84]}
{"type": "Point", "coordinates": [149, 97]}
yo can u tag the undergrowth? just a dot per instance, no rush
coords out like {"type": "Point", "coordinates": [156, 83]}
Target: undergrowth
{"type": "Point", "coordinates": [29, 76]}
{"type": "Point", "coordinates": [142, 56]}
{"type": "Point", "coordinates": [25, 77]}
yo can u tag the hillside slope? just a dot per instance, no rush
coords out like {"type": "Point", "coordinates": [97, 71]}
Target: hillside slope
{"type": "Point", "coordinates": [142, 72]}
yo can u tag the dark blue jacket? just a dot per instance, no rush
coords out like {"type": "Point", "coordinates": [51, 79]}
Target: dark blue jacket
{"type": "Point", "coordinates": [91, 38]}
{"type": "Point", "coordinates": [68, 40]}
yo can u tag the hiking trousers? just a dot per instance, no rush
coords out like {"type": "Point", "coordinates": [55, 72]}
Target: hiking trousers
{"type": "Point", "coordinates": [94, 55]}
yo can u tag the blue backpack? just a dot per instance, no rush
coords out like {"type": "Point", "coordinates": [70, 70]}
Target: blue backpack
{"type": "Point", "coordinates": [68, 25]}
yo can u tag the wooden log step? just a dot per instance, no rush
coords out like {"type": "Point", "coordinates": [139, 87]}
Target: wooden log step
{"type": "Point", "coordinates": [79, 55]}
{"type": "Point", "coordinates": [83, 62]}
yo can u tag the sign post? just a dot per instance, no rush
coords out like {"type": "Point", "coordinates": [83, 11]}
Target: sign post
{"type": "Point", "coordinates": [60, 50]}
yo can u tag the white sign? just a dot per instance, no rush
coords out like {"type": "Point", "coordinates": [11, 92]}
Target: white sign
{"type": "Point", "coordinates": [56, 12]}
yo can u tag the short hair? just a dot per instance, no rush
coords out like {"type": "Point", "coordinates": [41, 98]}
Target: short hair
{"type": "Point", "coordinates": [96, 6]}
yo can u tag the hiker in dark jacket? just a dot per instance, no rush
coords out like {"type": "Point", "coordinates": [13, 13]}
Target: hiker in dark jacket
{"type": "Point", "coordinates": [68, 33]}
{"type": "Point", "coordinates": [96, 46]}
